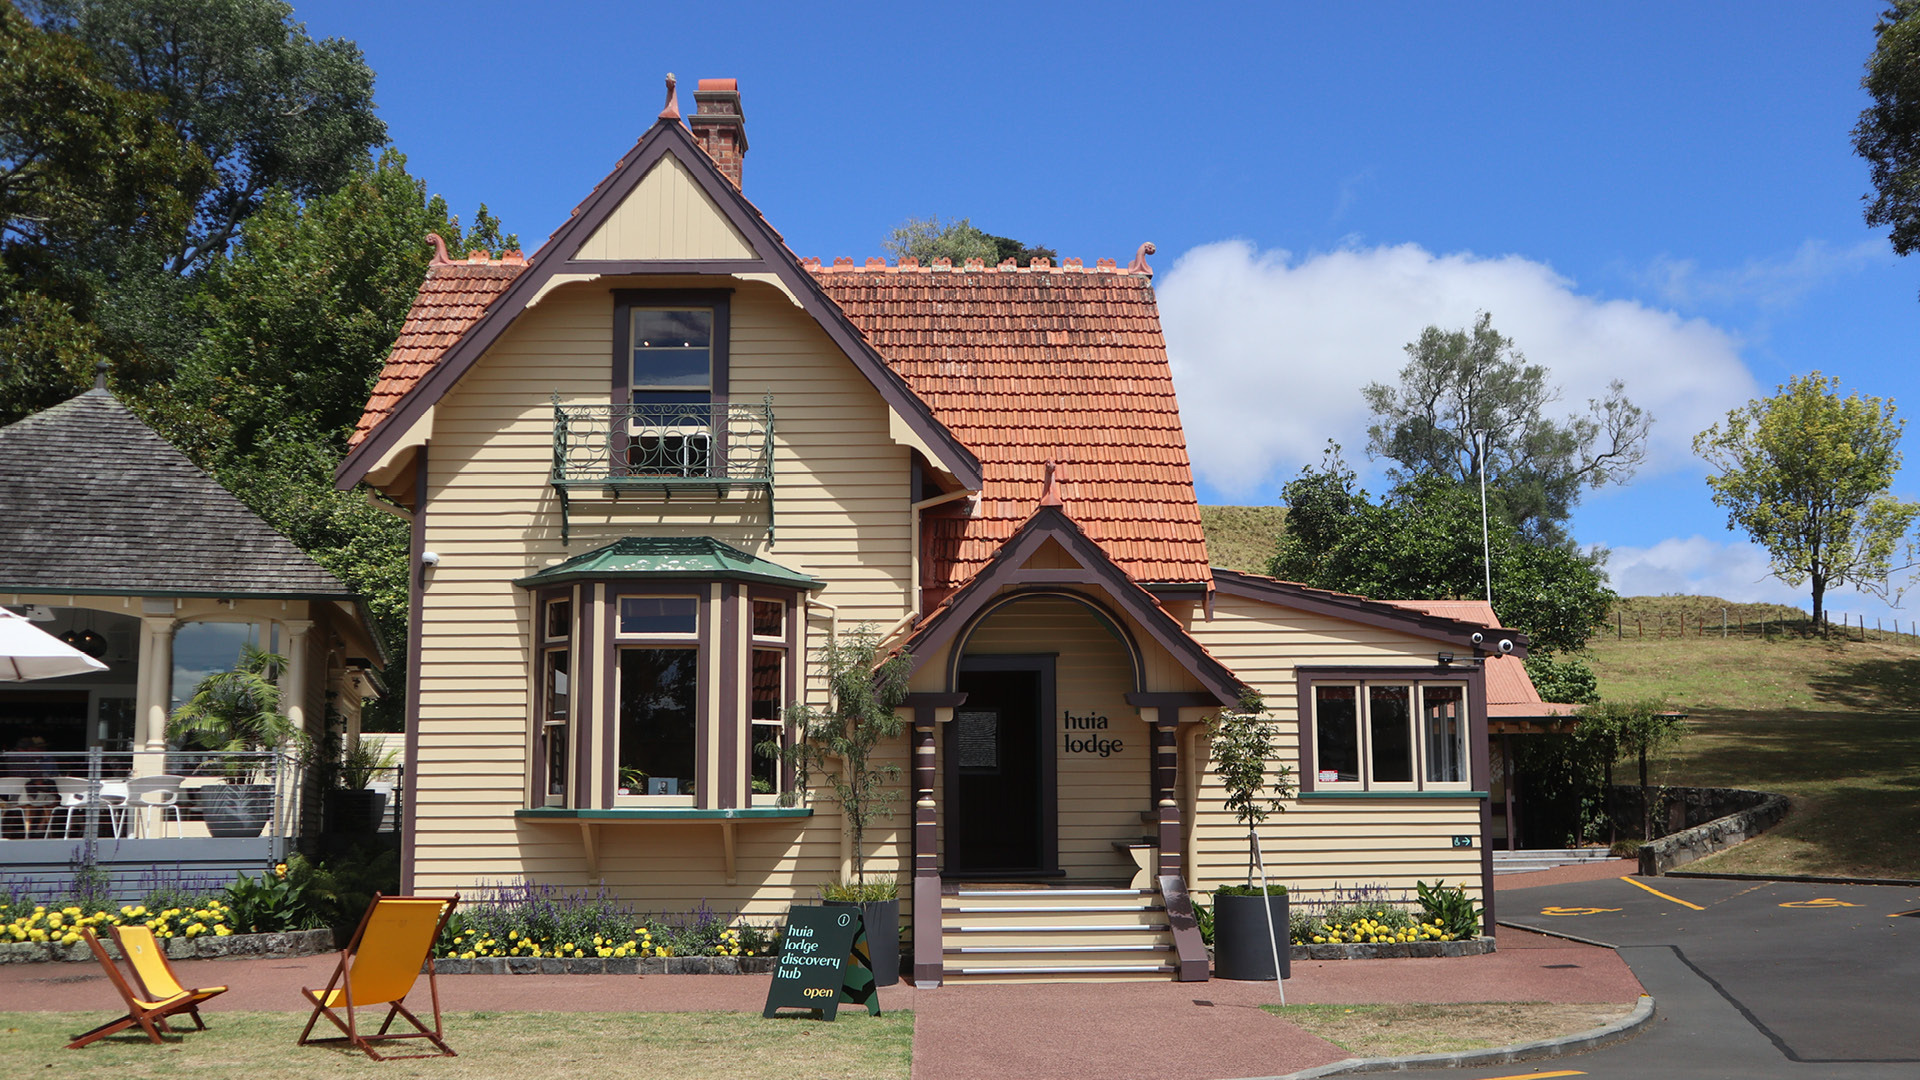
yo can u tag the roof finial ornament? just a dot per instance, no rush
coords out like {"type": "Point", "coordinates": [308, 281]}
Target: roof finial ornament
{"type": "Point", "coordinates": [100, 375]}
{"type": "Point", "coordinates": [672, 110]}
{"type": "Point", "coordinates": [1139, 263]}
{"type": "Point", "coordinates": [439, 250]}
{"type": "Point", "coordinates": [1050, 496]}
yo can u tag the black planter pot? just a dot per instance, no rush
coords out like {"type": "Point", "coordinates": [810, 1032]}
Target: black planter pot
{"type": "Point", "coordinates": [882, 919]}
{"type": "Point", "coordinates": [356, 811]}
{"type": "Point", "coordinates": [235, 810]}
{"type": "Point", "coordinates": [1241, 947]}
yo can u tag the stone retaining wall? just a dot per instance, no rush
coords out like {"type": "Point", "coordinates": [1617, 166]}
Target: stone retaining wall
{"type": "Point", "coordinates": [204, 947]}
{"type": "Point", "coordinates": [1678, 849]}
{"type": "Point", "coordinates": [1678, 808]}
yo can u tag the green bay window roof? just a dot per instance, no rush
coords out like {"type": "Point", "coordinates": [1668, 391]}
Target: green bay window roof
{"type": "Point", "coordinates": [670, 558]}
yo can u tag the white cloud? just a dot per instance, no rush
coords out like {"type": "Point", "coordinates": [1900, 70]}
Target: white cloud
{"type": "Point", "coordinates": [1768, 282]}
{"type": "Point", "coordinates": [1697, 566]}
{"type": "Point", "coordinates": [1270, 352]}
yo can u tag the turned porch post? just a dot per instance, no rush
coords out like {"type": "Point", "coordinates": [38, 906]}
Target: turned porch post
{"type": "Point", "coordinates": [929, 946]}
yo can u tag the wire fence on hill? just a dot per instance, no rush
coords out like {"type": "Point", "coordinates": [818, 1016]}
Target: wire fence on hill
{"type": "Point", "coordinates": [1731, 622]}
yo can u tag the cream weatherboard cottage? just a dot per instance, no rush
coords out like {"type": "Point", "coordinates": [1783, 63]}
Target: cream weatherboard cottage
{"type": "Point", "coordinates": [654, 466]}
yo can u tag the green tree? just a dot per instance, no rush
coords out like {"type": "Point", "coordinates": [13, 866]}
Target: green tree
{"type": "Point", "coordinates": [864, 688]}
{"type": "Point", "coordinates": [1422, 541]}
{"type": "Point", "coordinates": [273, 109]}
{"type": "Point", "coordinates": [1888, 132]}
{"type": "Point", "coordinates": [1461, 382]}
{"type": "Point", "coordinates": [1637, 731]}
{"type": "Point", "coordinates": [1805, 473]}
{"type": "Point", "coordinates": [1242, 744]}
{"type": "Point", "coordinates": [83, 165]}
{"type": "Point", "coordinates": [927, 239]}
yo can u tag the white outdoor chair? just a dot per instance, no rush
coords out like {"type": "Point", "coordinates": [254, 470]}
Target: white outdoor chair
{"type": "Point", "coordinates": [161, 793]}
{"type": "Point", "coordinates": [113, 795]}
{"type": "Point", "coordinates": [13, 800]}
{"type": "Point", "coordinates": [76, 793]}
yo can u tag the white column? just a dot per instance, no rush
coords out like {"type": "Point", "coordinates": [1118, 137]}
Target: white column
{"type": "Point", "coordinates": [293, 681]}
{"type": "Point", "coordinates": [156, 682]}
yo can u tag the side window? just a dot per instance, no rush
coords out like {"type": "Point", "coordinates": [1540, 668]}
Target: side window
{"type": "Point", "coordinates": [1389, 736]}
{"type": "Point", "coordinates": [1336, 742]}
{"type": "Point", "coordinates": [556, 696]}
{"type": "Point", "coordinates": [767, 696]}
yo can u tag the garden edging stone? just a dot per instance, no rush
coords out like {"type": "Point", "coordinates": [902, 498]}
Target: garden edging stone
{"type": "Point", "coordinates": [203, 947]}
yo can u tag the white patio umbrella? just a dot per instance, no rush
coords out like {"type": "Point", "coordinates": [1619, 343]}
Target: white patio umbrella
{"type": "Point", "coordinates": [28, 652]}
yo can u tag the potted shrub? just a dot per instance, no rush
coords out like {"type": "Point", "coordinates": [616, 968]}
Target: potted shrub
{"type": "Point", "coordinates": [1250, 928]}
{"type": "Point", "coordinates": [232, 713]}
{"type": "Point", "coordinates": [839, 742]}
{"type": "Point", "coordinates": [353, 806]}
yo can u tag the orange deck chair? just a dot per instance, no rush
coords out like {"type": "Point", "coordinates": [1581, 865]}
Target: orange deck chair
{"type": "Point", "coordinates": [164, 996]}
{"type": "Point", "coordinates": [379, 967]}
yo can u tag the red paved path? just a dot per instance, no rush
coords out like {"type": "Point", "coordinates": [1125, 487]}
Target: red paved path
{"type": "Point", "coordinates": [1115, 1031]}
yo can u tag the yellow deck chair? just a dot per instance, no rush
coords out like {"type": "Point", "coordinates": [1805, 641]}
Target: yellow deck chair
{"type": "Point", "coordinates": [379, 967]}
{"type": "Point", "coordinates": [163, 994]}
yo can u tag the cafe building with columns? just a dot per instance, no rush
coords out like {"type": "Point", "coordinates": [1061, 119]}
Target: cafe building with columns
{"type": "Point", "coordinates": [653, 467]}
{"type": "Point", "coordinates": [111, 539]}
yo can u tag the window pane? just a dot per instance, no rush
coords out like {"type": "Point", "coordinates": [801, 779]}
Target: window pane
{"type": "Point", "coordinates": [201, 649]}
{"type": "Point", "coordinates": [559, 619]}
{"type": "Point", "coordinates": [1390, 729]}
{"type": "Point", "coordinates": [672, 350]}
{"type": "Point", "coordinates": [1446, 727]}
{"type": "Point", "coordinates": [556, 737]}
{"type": "Point", "coordinates": [657, 717]}
{"type": "Point", "coordinates": [769, 618]}
{"type": "Point", "coordinates": [766, 684]}
{"type": "Point", "coordinates": [659, 614]}
{"type": "Point", "coordinates": [1336, 733]}
{"type": "Point", "coordinates": [766, 770]}
{"type": "Point", "coordinates": [556, 683]}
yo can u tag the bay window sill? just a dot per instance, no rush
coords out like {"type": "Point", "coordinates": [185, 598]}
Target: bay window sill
{"type": "Point", "coordinates": [1308, 796]}
{"type": "Point", "coordinates": [590, 822]}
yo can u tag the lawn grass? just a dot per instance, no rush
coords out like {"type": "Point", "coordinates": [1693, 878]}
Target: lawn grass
{"type": "Point", "coordinates": [1242, 537]}
{"type": "Point", "coordinates": [525, 1046]}
{"type": "Point", "coordinates": [1833, 722]}
{"type": "Point", "coordinates": [1399, 1030]}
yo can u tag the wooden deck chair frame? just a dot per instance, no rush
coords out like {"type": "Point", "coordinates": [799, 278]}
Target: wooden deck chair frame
{"type": "Point", "coordinates": [339, 988]}
{"type": "Point", "coordinates": [149, 1015]}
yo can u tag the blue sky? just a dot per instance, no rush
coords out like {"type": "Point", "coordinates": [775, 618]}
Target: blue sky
{"type": "Point", "coordinates": [1661, 193]}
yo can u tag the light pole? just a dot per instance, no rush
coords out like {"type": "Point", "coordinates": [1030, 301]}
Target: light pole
{"type": "Point", "coordinates": [1486, 548]}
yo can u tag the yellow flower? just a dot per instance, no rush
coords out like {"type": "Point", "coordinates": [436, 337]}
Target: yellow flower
{"type": "Point", "coordinates": [280, 870]}
{"type": "Point", "coordinates": [222, 931]}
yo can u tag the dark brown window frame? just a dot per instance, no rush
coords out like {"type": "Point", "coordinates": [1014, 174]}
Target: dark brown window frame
{"type": "Point", "coordinates": [579, 671]}
{"type": "Point", "coordinates": [720, 301]}
{"type": "Point", "coordinates": [700, 642]}
{"type": "Point", "coordinates": [1473, 676]}
{"type": "Point", "coordinates": [793, 607]}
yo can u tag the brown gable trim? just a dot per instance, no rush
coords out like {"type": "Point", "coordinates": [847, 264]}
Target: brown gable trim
{"type": "Point", "coordinates": [1366, 612]}
{"type": "Point", "coordinates": [665, 137]}
{"type": "Point", "coordinates": [1049, 522]}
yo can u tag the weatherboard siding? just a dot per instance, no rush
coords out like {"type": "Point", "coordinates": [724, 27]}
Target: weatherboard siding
{"type": "Point", "coordinates": [1316, 844]}
{"type": "Point", "coordinates": [841, 492]}
{"type": "Point", "coordinates": [666, 216]}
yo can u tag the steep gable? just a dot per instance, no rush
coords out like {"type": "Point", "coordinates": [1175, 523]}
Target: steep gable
{"type": "Point", "coordinates": [666, 216]}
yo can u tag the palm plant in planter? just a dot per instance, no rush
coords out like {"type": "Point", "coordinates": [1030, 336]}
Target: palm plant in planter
{"type": "Point", "coordinates": [237, 714]}
{"type": "Point", "coordinates": [353, 806]}
{"type": "Point", "coordinates": [839, 742]}
{"type": "Point", "coordinates": [1250, 936]}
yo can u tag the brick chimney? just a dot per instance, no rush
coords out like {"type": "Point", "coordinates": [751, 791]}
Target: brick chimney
{"type": "Point", "coordinates": [719, 125]}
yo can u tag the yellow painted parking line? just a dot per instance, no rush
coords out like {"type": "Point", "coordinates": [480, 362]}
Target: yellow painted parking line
{"type": "Point", "coordinates": [1576, 910]}
{"type": "Point", "coordinates": [1662, 895]}
{"type": "Point", "coordinates": [1824, 901]}
{"type": "Point", "coordinates": [1904, 914]}
{"type": "Point", "coordinates": [1540, 1076]}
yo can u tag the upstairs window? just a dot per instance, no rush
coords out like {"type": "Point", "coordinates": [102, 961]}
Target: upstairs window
{"type": "Point", "coordinates": [672, 361]}
{"type": "Point", "coordinates": [669, 377]}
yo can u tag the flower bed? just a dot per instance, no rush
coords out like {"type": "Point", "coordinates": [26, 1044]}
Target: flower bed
{"type": "Point", "coordinates": [526, 921]}
{"type": "Point", "coordinates": [626, 965]}
{"type": "Point", "coordinates": [209, 947]}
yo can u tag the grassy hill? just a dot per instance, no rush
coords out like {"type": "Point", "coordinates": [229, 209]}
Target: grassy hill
{"type": "Point", "coordinates": [1833, 722]}
{"type": "Point", "coordinates": [1242, 537]}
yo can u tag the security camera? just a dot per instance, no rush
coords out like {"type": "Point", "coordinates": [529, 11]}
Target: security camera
{"type": "Point", "coordinates": [1506, 645]}
{"type": "Point", "coordinates": [1478, 637]}
{"type": "Point", "coordinates": [431, 558]}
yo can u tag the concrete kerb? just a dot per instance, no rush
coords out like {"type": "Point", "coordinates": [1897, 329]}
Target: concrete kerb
{"type": "Point", "coordinates": [1618, 1031]}
{"type": "Point", "coordinates": [1561, 934]}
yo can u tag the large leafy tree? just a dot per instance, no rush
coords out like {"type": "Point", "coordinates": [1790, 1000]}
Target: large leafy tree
{"type": "Point", "coordinates": [82, 165]}
{"type": "Point", "coordinates": [1888, 132]}
{"type": "Point", "coordinates": [928, 239]}
{"type": "Point", "coordinates": [1461, 382]}
{"type": "Point", "coordinates": [1422, 541]}
{"type": "Point", "coordinates": [1806, 473]}
{"type": "Point", "coordinates": [273, 109]}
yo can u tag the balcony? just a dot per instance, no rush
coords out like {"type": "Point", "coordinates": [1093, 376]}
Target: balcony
{"type": "Point", "coordinates": [699, 449]}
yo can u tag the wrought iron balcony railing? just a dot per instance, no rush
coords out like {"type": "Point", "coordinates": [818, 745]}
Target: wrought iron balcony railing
{"type": "Point", "coordinates": [703, 447]}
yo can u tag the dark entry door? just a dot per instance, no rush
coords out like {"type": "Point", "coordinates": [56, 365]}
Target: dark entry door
{"type": "Point", "coordinates": [1001, 813]}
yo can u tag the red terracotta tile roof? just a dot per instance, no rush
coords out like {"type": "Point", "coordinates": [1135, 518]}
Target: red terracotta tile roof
{"type": "Point", "coordinates": [1027, 365]}
{"type": "Point", "coordinates": [1510, 690]}
{"type": "Point", "coordinates": [453, 298]}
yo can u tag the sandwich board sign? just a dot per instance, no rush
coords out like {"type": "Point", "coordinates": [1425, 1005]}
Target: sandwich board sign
{"type": "Point", "coordinates": [823, 961]}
